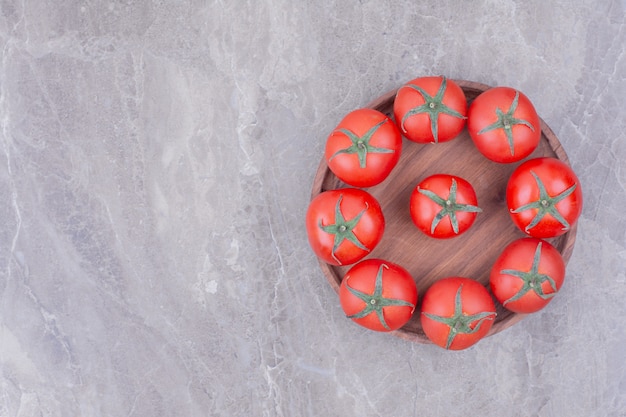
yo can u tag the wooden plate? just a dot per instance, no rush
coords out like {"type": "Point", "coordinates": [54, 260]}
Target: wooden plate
{"type": "Point", "coordinates": [471, 254]}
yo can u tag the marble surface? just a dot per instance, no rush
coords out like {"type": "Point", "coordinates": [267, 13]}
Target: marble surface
{"type": "Point", "coordinates": [156, 162]}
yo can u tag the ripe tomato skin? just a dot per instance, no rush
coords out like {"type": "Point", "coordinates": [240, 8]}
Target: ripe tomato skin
{"type": "Point", "coordinates": [519, 258]}
{"type": "Point", "coordinates": [380, 151]}
{"type": "Point", "coordinates": [523, 188]}
{"type": "Point", "coordinates": [493, 143]}
{"type": "Point", "coordinates": [417, 127]}
{"type": "Point", "coordinates": [476, 306]}
{"type": "Point", "coordinates": [398, 287]}
{"type": "Point", "coordinates": [423, 209]}
{"type": "Point", "coordinates": [352, 202]}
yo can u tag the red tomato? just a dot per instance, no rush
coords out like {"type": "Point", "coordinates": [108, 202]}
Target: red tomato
{"type": "Point", "coordinates": [457, 312]}
{"type": "Point", "coordinates": [378, 295]}
{"type": "Point", "coordinates": [544, 197]}
{"type": "Point", "coordinates": [504, 125]}
{"type": "Point", "coordinates": [364, 148]}
{"type": "Point", "coordinates": [430, 109]}
{"type": "Point", "coordinates": [443, 206]}
{"type": "Point", "coordinates": [527, 274]}
{"type": "Point", "coordinates": [344, 225]}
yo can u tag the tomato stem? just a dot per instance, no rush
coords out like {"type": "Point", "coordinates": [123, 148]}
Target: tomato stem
{"type": "Point", "coordinates": [532, 279]}
{"type": "Point", "coordinates": [449, 207]}
{"type": "Point", "coordinates": [374, 303]}
{"type": "Point", "coordinates": [545, 205]}
{"type": "Point", "coordinates": [460, 322]}
{"type": "Point", "coordinates": [506, 121]}
{"type": "Point", "coordinates": [342, 229]}
{"type": "Point", "coordinates": [361, 144]}
{"type": "Point", "coordinates": [433, 106]}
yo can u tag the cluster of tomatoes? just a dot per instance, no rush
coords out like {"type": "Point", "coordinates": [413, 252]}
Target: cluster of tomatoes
{"type": "Point", "coordinates": [543, 197]}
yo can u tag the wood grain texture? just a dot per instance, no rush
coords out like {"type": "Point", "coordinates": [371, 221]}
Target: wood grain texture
{"type": "Point", "coordinates": [470, 254]}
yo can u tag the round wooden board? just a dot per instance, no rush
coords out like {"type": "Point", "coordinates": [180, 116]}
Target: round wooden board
{"type": "Point", "coordinates": [470, 254]}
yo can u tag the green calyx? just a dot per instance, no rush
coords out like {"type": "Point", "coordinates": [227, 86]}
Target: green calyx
{"type": "Point", "coordinates": [374, 303]}
{"type": "Point", "coordinates": [506, 121]}
{"type": "Point", "coordinates": [449, 207]}
{"type": "Point", "coordinates": [361, 144]}
{"type": "Point", "coordinates": [533, 280]}
{"type": "Point", "coordinates": [545, 205]}
{"type": "Point", "coordinates": [433, 106]}
{"type": "Point", "coordinates": [343, 229]}
{"type": "Point", "coordinates": [461, 323]}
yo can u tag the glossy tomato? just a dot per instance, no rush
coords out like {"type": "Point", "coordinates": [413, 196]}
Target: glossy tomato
{"type": "Point", "coordinates": [443, 205]}
{"type": "Point", "coordinates": [344, 225]}
{"type": "Point", "coordinates": [544, 197]}
{"type": "Point", "coordinates": [457, 312]}
{"type": "Point", "coordinates": [364, 148]}
{"type": "Point", "coordinates": [504, 125]}
{"type": "Point", "coordinates": [378, 295]}
{"type": "Point", "coordinates": [527, 275]}
{"type": "Point", "coordinates": [430, 109]}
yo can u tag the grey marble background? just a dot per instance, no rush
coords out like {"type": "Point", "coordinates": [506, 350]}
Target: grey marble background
{"type": "Point", "coordinates": [156, 161]}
